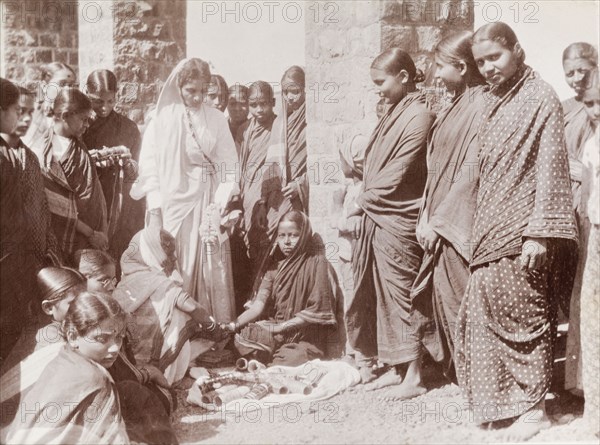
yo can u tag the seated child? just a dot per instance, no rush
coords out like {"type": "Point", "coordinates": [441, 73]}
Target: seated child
{"type": "Point", "coordinates": [295, 301]}
{"type": "Point", "coordinates": [75, 399]}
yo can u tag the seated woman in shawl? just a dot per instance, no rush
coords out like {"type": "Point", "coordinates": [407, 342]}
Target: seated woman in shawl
{"type": "Point", "coordinates": [187, 173]}
{"type": "Point", "coordinates": [166, 316]}
{"type": "Point", "coordinates": [283, 182]}
{"type": "Point", "coordinates": [386, 257]}
{"type": "Point", "coordinates": [75, 198]}
{"type": "Point", "coordinates": [75, 399]}
{"type": "Point", "coordinates": [524, 242]}
{"type": "Point", "coordinates": [217, 94]}
{"type": "Point", "coordinates": [295, 301]}
{"type": "Point", "coordinates": [54, 76]}
{"type": "Point", "coordinates": [109, 129]}
{"type": "Point", "coordinates": [446, 217]}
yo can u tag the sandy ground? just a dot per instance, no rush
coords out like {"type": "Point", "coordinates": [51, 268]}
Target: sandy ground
{"type": "Point", "coordinates": [359, 416]}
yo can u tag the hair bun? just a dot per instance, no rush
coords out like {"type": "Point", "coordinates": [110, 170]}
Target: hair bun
{"type": "Point", "coordinates": [419, 76]}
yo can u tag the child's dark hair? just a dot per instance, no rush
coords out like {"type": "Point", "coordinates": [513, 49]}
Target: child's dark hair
{"type": "Point", "coordinates": [294, 216]}
{"type": "Point", "coordinates": [90, 262]}
{"type": "Point", "coordinates": [9, 93]}
{"type": "Point", "coordinates": [88, 310]}
{"type": "Point", "coordinates": [50, 69]}
{"type": "Point", "coordinates": [100, 81]}
{"type": "Point", "coordinates": [223, 90]}
{"type": "Point", "coordinates": [70, 100]}
{"type": "Point", "coordinates": [581, 50]}
{"type": "Point", "coordinates": [394, 60]}
{"type": "Point", "coordinates": [262, 86]}
{"type": "Point", "coordinates": [456, 48]}
{"type": "Point", "coordinates": [295, 76]}
{"type": "Point", "coordinates": [192, 70]}
{"type": "Point", "coordinates": [239, 91]}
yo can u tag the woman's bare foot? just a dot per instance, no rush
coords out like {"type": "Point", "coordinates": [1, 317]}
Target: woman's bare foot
{"type": "Point", "coordinates": [389, 378]}
{"type": "Point", "coordinates": [411, 387]}
{"type": "Point", "coordinates": [528, 424]}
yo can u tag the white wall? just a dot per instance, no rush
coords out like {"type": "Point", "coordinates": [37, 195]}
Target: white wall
{"type": "Point", "coordinates": [544, 29]}
{"type": "Point", "coordinates": [247, 41]}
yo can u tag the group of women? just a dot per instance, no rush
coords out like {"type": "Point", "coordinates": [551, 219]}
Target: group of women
{"type": "Point", "coordinates": [464, 236]}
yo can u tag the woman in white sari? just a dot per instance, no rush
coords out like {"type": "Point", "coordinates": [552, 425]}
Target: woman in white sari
{"type": "Point", "coordinates": [187, 172]}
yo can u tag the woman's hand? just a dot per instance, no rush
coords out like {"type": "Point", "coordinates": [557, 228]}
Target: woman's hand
{"type": "Point", "coordinates": [427, 237]}
{"type": "Point", "coordinates": [157, 377]}
{"type": "Point", "coordinates": [291, 190]}
{"type": "Point", "coordinates": [534, 254]}
{"type": "Point", "coordinates": [99, 240]}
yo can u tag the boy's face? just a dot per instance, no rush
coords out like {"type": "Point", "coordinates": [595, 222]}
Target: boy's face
{"type": "Point", "coordinates": [103, 103]}
{"type": "Point", "coordinates": [261, 105]}
{"type": "Point", "coordinates": [26, 102]}
{"type": "Point", "coordinates": [105, 281]}
{"type": "Point", "coordinates": [237, 107]}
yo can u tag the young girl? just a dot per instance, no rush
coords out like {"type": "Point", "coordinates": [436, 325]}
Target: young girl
{"type": "Point", "coordinates": [387, 256]}
{"type": "Point", "coordinates": [295, 300]}
{"type": "Point", "coordinates": [524, 242]}
{"type": "Point", "coordinates": [74, 193]}
{"type": "Point", "coordinates": [446, 217]}
{"type": "Point", "coordinates": [75, 399]}
{"type": "Point", "coordinates": [217, 95]}
{"type": "Point", "coordinates": [54, 76]}
{"type": "Point", "coordinates": [99, 269]}
{"type": "Point", "coordinates": [111, 129]}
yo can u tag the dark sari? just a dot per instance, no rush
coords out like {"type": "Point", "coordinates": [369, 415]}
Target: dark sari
{"type": "Point", "coordinates": [125, 215]}
{"type": "Point", "coordinates": [74, 193]}
{"type": "Point", "coordinates": [387, 256]}
{"type": "Point", "coordinates": [299, 286]}
{"type": "Point", "coordinates": [449, 206]}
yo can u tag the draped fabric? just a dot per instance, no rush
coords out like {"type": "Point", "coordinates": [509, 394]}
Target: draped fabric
{"type": "Point", "coordinates": [74, 401]}
{"type": "Point", "coordinates": [387, 257]}
{"type": "Point", "coordinates": [578, 129]}
{"type": "Point", "coordinates": [298, 286]}
{"type": "Point", "coordinates": [187, 155]}
{"type": "Point", "coordinates": [125, 215]}
{"type": "Point", "coordinates": [163, 330]}
{"type": "Point", "coordinates": [73, 192]}
{"type": "Point", "coordinates": [255, 143]}
{"type": "Point", "coordinates": [286, 157]}
{"type": "Point", "coordinates": [524, 191]}
{"type": "Point", "coordinates": [448, 208]}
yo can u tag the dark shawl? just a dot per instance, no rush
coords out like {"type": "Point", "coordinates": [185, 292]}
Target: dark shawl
{"type": "Point", "coordinates": [74, 193]}
{"type": "Point", "coordinates": [298, 286]}
{"type": "Point", "coordinates": [291, 131]}
{"type": "Point", "coordinates": [13, 227]}
{"type": "Point", "coordinates": [127, 219]}
{"type": "Point", "coordinates": [255, 142]}
{"type": "Point", "coordinates": [394, 180]}
{"type": "Point", "coordinates": [524, 188]}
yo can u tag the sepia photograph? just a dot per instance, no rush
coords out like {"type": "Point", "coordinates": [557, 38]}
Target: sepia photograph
{"type": "Point", "coordinates": [299, 222]}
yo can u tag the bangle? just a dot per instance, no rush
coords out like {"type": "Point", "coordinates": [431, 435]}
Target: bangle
{"type": "Point", "coordinates": [233, 326]}
{"type": "Point", "coordinates": [145, 375]}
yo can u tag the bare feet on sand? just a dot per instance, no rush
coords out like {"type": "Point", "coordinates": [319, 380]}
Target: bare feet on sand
{"type": "Point", "coordinates": [389, 378]}
{"type": "Point", "coordinates": [528, 424]}
{"type": "Point", "coordinates": [404, 391]}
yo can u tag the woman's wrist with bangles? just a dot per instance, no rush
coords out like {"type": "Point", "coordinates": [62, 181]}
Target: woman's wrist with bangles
{"type": "Point", "coordinates": [145, 375]}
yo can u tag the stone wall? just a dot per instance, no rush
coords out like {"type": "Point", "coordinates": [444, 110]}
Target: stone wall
{"type": "Point", "coordinates": [141, 42]}
{"type": "Point", "coordinates": [35, 32]}
{"type": "Point", "coordinates": [341, 42]}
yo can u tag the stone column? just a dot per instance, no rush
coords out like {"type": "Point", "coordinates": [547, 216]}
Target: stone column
{"type": "Point", "coordinates": [140, 41]}
{"type": "Point", "coordinates": [35, 32]}
{"type": "Point", "coordinates": [342, 39]}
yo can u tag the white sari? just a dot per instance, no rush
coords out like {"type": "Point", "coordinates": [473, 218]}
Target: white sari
{"type": "Point", "coordinates": [181, 168]}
